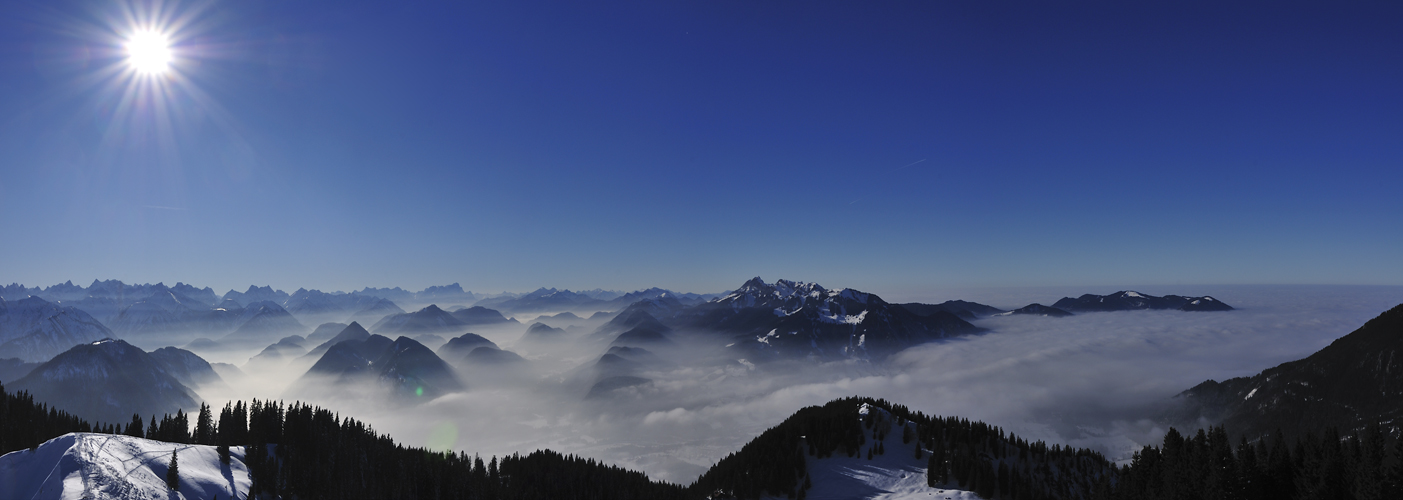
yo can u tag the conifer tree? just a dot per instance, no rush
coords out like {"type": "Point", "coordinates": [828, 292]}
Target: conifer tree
{"type": "Point", "coordinates": [204, 426]}
{"type": "Point", "coordinates": [173, 472]}
{"type": "Point", "coordinates": [134, 427]}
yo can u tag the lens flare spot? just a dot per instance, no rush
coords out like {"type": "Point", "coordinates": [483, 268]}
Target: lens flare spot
{"type": "Point", "coordinates": [419, 391]}
{"type": "Point", "coordinates": [443, 437]}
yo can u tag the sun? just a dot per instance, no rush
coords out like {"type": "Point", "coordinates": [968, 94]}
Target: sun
{"type": "Point", "coordinates": [148, 52]}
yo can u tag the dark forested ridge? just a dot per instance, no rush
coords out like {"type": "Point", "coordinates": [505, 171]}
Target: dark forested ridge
{"type": "Point", "coordinates": [1363, 466]}
{"type": "Point", "coordinates": [1355, 382]}
{"type": "Point", "coordinates": [960, 455]}
{"type": "Point", "coordinates": [299, 451]}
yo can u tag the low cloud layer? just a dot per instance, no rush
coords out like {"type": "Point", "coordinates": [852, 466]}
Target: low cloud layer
{"type": "Point", "coordinates": [1088, 380]}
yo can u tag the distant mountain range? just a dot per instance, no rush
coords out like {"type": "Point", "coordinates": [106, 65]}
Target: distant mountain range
{"type": "Point", "coordinates": [550, 300]}
{"type": "Point", "coordinates": [1130, 301]}
{"type": "Point", "coordinates": [1036, 310]}
{"type": "Point", "coordinates": [790, 319]}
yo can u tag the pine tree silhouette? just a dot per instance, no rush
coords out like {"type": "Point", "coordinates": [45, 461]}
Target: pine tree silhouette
{"type": "Point", "coordinates": [173, 472]}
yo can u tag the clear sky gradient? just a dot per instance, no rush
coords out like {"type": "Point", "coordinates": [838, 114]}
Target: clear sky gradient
{"type": "Point", "coordinates": [692, 145]}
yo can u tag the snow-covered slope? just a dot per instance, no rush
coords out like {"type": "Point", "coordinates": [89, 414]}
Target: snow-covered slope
{"type": "Point", "coordinates": [894, 475]}
{"type": "Point", "coordinates": [103, 466]}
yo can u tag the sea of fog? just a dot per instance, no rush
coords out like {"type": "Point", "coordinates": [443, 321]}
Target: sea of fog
{"type": "Point", "coordinates": [1094, 380]}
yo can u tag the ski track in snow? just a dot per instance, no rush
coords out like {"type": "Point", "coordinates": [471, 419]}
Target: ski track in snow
{"type": "Point", "coordinates": [101, 466]}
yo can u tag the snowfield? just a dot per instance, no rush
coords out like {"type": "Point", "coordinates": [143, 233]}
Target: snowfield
{"type": "Point", "coordinates": [895, 475]}
{"type": "Point", "coordinates": [104, 466]}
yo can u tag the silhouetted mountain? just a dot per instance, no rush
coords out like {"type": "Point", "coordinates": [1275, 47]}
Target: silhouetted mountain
{"type": "Point", "coordinates": [325, 332]}
{"type": "Point", "coordinates": [276, 355]}
{"type": "Point", "coordinates": [1130, 301]}
{"type": "Point", "coordinates": [965, 310]}
{"type": "Point", "coordinates": [339, 306]}
{"type": "Point", "coordinates": [794, 319]}
{"type": "Point", "coordinates": [187, 367]}
{"type": "Point", "coordinates": [257, 294]}
{"type": "Point", "coordinates": [870, 448]}
{"type": "Point", "coordinates": [350, 357]}
{"type": "Point", "coordinates": [166, 311]}
{"type": "Point", "coordinates": [263, 320]}
{"type": "Point", "coordinates": [352, 331]}
{"type": "Point", "coordinates": [415, 370]}
{"type": "Point", "coordinates": [545, 300]}
{"type": "Point", "coordinates": [449, 294]}
{"type": "Point", "coordinates": [107, 380]}
{"type": "Point", "coordinates": [542, 333]}
{"type": "Point", "coordinates": [1037, 310]}
{"type": "Point", "coordinates": [377, 310]}
{"type": "Point", "coordinates": [407, 367]}
{"type": "Point", "coordinates": [608, 386]}
{"type": "Point", "coordinates": [461, 345]}
{"type": "Point", "coordinates": [1355, 381]}
{"type": "Point", "coordinates": [430, 319]}
{"type": "Point", "coordinates": [203, 344]}
{"type": "Point", "coordinates": [14, 368]}
{"type": "Point", "coordinates": [16, 291]}
{"type": "Point", "coordinates": [565, 316]}
{"type": "Point", "coordinates": [478, 315]}
{"type": "Point", "coordinates": [490, 355]}
{"type": "Point", "coordinates": [631, 318]}
{"type": "Point", "coordinates": [689, 299]}
{"type": "Point", "coordinates": [64, 291]}
{"type": "Point", "coordinates": [645, 335]}
{"type": "Point", "coordinates": [36, 330]}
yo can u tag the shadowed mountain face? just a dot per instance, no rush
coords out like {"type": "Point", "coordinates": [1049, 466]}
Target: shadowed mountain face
{"type": "Point", "coordinates": [36, 330]}
{"type": "Point", "coordinates": [478, 315]}
{"type": "Point", "coordinates": [460, 346]}
{"type": "Point", "coordinates": [187, 367]}
{"type": "Point", "coordinates": [489, 355]}
{"type": "Point", "coordinates": [108, 380]}
{"type": "Point", "coordinates": [964, 309]}
{"type": "Point", "coordinates": [542, 333]}
{"type": "Point", "coordinates": [352, 331]}
{"type": "Point", "coordinates": [415, 370]}
{"type": "Point", "coordinates": [325, 332]}
{"type": "Point", "coordinates": [263, 321]}
{"type": "Point", "coordinates": [1037, 310]}
{"type": "Point", "coordinates": [406, 366]}
{"type": "Point", "coordinates": [1131, 301]}
{"type": "Point", "coordinates": [645, 335]}
{"type": "Point", "coordinates": [1355, 381]}
{"type": "Point", "coordinates": [430, 319]}
{"type": "Point", "coordinates": [14, 368]}
{"type": "Point", "coordinates": [795, 320]}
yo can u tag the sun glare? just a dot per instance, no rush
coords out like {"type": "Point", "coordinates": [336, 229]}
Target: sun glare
{"type": "Point", "coordinates": [148, 52]}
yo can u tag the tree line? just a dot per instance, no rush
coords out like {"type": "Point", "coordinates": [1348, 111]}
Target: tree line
{"type": "Point", "coordinates": [1362, 466]}
{"type": "Point", "coordinates": [300, 451]}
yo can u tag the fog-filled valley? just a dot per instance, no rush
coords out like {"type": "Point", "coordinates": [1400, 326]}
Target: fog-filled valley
{"type": "Point", "coordinates": [668, 383]}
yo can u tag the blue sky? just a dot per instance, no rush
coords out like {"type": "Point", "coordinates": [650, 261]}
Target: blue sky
{"type": "Point", "coordinates": [902, 146]}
